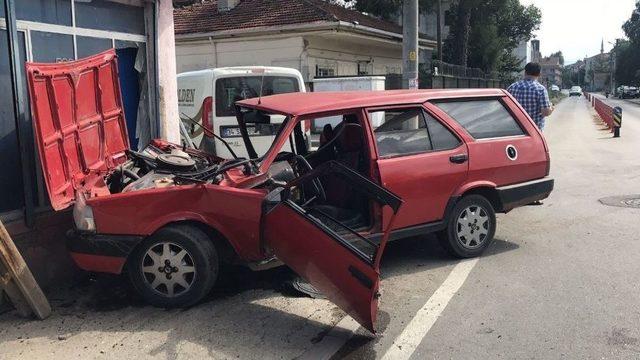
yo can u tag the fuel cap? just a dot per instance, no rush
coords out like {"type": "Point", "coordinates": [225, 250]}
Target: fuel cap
{"type": "Point", "coordinates": [512, 153]}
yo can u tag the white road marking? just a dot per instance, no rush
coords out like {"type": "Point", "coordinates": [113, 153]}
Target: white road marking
{"type": "Point", "coordinates": [333, 341]}
{"type": "Point", "coordinates": [406, 343]}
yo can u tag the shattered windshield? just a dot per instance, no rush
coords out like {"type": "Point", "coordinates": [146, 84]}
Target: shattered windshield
{"type": "Point", "coordinates": [260, 131]}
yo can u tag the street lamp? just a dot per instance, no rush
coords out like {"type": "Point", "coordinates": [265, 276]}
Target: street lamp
{"type": "Point", "coordinates": [612, 66]}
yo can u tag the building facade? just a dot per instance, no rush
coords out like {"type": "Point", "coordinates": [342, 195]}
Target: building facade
{"type": "Point", "coordinates": [523, 53]}
{"type": "Point", "coordinates": [62, 30]}
{"type": "Point", "coordinates": [551, 71]}
{"type": "Point", "coordinates": [598, 72]}
{"type": "Point", "coordinates": [315, 37]}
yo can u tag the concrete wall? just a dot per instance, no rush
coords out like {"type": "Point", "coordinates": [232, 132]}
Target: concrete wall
{"type": "Point", "coordinates": [344, 53]}
{"type": "Point", "coordinates": [287, 52]}
{"type": "Point", "coordinates": [44, 250]}
{"type": "Point", "coordinates": [338, 51]}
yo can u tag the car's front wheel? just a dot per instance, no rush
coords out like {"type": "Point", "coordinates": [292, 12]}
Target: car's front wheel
{"type": "Point", "coordinates": [471, 227]}
{"type": "Point", "coordinates": [175, 267]}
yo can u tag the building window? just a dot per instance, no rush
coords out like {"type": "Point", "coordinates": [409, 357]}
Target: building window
{"type": "Point", "coordinates": [107, 15]}
{"type": "Point", "coordinates": [47, 33]}
{"type": "Point", "coordinates": [46, 11]}
{"type": "Point", "coordinates": [51, 47]}
{"type": "Point", "coordinates": [364, 68]}
{"type": "Point", "coordinates": [88, 46]}
{"type": "Point", "coordinates": [11, 191]}
{"type": "Point", "coordinates": [325, 71]}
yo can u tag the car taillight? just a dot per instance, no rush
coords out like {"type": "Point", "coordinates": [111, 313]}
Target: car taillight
{"type": "Point", "coordinates": [207, 114]}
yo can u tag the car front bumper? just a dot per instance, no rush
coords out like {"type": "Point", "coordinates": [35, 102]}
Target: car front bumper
{"type": "Point", "coordinates": [100, 252]}
{"type": "Point", "coordinates": [513, 196]}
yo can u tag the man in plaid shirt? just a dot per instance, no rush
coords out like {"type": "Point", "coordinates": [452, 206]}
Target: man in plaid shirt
{"type": "Point", "coordinates": [532, 95]}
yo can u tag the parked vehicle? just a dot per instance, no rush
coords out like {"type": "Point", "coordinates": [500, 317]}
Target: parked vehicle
{"type": "Point", "coordinates": [170, 217]}
{"type": "Point", "coordinates": [627, 92]}
{"type": "Point", "coordinates": [555, 88]}
{"type": "Point", "coordinates": [206, 98]}
{"type": "Point", "coordinates": [575, 91]}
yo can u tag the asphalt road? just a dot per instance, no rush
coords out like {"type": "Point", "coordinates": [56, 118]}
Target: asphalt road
{"type": "Point", "coordinates": [561, 280]}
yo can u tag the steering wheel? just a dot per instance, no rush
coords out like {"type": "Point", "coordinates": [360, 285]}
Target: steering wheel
{"type": "Point", "coordinates": [316, 184]}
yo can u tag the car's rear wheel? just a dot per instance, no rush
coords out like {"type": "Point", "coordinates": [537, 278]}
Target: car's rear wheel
{"type": "Point", "coordinates": [471, 227]}
{"type": "Point", "coordinates": [175, 267]}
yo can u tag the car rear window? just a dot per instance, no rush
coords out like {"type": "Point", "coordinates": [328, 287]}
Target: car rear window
{"type": "Point", "coordinates": [482, 118]}
{"type": "Point", "coordinates": [232, 89]}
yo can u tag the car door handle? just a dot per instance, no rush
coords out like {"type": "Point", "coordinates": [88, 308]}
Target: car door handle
{"type": "Point", "coordinates": [458, 159]}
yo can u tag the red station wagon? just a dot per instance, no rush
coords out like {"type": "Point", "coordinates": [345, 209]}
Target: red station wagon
{"type": "Point", "coordinates": [390, 165]}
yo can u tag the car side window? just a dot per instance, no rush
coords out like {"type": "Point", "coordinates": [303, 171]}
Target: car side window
{"type": "Point", "coordinates": [441, 137]}
{"type": "Point", "coordinates": [482, 118]}
{"type": "Point", "coordinates": [400, 132]}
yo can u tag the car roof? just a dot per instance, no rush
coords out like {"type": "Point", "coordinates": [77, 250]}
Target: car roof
{"type": "Point", "coordinates": [316, 102]}
{"type": "Point", "coordinates": [242, 70]}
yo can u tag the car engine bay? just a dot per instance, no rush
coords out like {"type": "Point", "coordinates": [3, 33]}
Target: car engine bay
{"type": "Point", "coordinates": [161, 165]}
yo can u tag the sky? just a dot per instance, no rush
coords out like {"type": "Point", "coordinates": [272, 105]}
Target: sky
{"type": "Point", "coordinates": [577, 27]}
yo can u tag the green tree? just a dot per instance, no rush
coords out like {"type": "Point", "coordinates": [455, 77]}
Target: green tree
{"type": "Point", "coordinates": [384, 9]}
{"type": "Point", "coordinates": [627, 52]}
{"type": "Point", "coordinates": [485, 32]}
{"type": "Point", "coordinates": [627, 56]}
{"type": "Point", "coordinates": [632, 26]}
{"type": "Point", "coordinates": [558, 55]}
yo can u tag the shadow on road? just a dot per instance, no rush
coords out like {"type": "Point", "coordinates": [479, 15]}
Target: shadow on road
{"type": "Point", "coordinates": [243, 308]}
{"type": "Point", "coordinates": [424, 253]}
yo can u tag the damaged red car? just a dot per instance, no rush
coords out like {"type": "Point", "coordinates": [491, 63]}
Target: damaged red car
{"type": "Point", "coordinates": [170, 216]}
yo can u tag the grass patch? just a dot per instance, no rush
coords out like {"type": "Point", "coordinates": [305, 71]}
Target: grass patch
{"type": "Point", "coordinates": [556, 97]}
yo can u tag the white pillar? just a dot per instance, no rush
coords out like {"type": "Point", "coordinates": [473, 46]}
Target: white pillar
{"type": "Point", "coordinates": [167, 84]}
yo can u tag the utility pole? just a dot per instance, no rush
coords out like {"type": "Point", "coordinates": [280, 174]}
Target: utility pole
{"type": "Point", "coordinates": [410, 44]}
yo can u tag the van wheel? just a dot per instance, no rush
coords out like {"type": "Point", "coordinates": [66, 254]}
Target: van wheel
{"type": "Point", "coordinates": [471, 227]}
{"type": "Point", "coordinates": [175, 267]}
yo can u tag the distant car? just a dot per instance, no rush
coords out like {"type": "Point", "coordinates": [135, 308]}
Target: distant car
{"type": "Point", "coordinates": [627, 92]}
{"type": "Point", "coordinates": [575, 91]}
{"type": "Point", "coordinates": [555, 88]}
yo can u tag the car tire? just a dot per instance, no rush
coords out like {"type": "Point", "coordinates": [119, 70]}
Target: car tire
{"type": "Point", "coordinates": [464, 239]}
{"type": "Point", "coordinates": [180, 257]}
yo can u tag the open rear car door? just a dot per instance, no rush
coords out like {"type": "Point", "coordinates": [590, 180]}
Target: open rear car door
{"type": "Point", "coordinates": [335, 259]}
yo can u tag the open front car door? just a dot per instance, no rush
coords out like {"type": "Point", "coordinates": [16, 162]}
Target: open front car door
{"type": "Point", "coordinates": [319, 240]}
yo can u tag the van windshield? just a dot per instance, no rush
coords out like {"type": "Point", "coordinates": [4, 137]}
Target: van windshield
{"type": "Point", "coordinates": [232, 89]}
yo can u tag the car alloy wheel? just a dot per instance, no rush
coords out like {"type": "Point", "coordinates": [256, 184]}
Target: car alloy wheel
{"type": "Point", "coordinates": [175, 267]}
{"type": "Point", "coordinates": [168, 269]}
{"type": "Point", "coordinates": [472, 227]}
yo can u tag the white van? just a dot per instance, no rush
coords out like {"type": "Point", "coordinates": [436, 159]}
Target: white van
{"type": "Point", "coordinates": [206, 99]}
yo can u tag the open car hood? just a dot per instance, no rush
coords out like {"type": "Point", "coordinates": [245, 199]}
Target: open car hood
{"type": "Point", "coordinates": [79, 124]}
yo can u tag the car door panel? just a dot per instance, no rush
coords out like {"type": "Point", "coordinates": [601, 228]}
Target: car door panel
{"type": "Point", "coordinates": [425, 182]}
{"type": "Point", "coordinates": [489, 160]}
{"type": "Point", "coordinates": [336, 260]}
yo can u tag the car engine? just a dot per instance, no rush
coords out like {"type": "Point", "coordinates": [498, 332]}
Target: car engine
{"type": "Point", "coordinates": [161, 165]}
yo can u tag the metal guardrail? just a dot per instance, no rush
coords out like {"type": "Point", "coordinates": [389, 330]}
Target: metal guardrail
{"type": "Point", "coordinates": [604, 111]}
{"type": "Point", "coordinates": [440, 68]}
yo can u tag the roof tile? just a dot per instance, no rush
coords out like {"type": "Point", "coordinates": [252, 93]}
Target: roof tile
{"type": "Point", "coordinates": [204, 17]}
